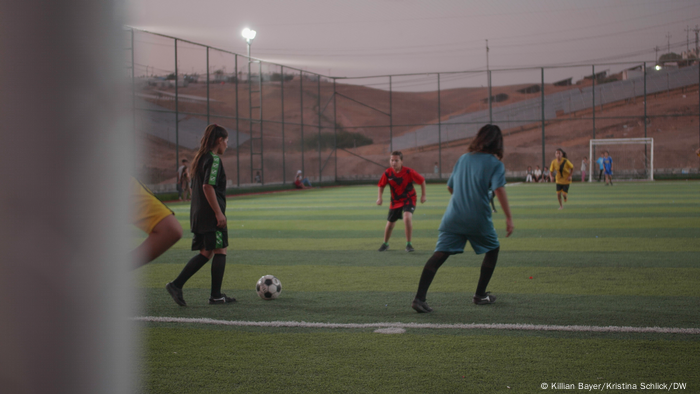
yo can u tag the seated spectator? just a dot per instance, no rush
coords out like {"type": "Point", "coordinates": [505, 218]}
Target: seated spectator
{"type": "Point", "coordinates": [537, 174]}
{"type": "Point", "coordinates": [528, 177]}
{"type": "Point", "coordinates": [300, 182]}
{"type": "Point", "coordinates": [545, 175]}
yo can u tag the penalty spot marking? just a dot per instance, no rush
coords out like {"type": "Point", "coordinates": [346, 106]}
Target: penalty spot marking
{"type": "Point", "coordinates": [390, 330]}
{"type": "Point", "coordinates": [404, 326]}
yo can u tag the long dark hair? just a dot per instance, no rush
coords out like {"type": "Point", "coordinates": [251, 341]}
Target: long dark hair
{"type": "Point", "coordinates": [209, 140]}
{"type": "Point", "coordinates": [489, 139]}
{"type": "Point", "coordinates": [563, 162]}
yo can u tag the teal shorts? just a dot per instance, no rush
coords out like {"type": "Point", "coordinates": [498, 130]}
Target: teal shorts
{"type": "Point", "coordinates": [454, 243]}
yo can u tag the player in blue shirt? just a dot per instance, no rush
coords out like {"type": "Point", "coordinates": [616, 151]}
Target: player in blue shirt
{"type": "Point", "coordinates": [468, 215]}
{"type": "Point", "coordinates": [600, 165]}
{"type": "Point", "coordinates": [608, 168]}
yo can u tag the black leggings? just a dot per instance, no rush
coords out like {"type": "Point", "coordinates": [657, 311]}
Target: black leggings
{"type": "Point", "coordinates": [438, 258]}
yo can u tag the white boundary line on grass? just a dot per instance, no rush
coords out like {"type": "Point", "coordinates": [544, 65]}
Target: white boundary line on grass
{"type": "Point", "coordinates": [471, 326]}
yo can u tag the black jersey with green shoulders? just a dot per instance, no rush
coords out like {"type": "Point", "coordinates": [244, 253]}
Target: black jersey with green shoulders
{"type": "Point", "coordinates": [210, 171]}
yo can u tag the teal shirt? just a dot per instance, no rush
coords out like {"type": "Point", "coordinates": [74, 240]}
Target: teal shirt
{"type": "Point", "coordinates": [469, 211]}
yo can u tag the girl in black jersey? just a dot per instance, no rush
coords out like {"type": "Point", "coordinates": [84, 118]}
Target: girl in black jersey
{"type": "Point", "coordinates": [207, 220]}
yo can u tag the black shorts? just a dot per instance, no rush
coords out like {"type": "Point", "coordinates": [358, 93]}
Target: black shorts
{"type": "Point", "coordinates": [210, 241]}
{"type": "Point", "coordinates": [565, 188]}
{"type": "Point", "coordinates": [396, 214]}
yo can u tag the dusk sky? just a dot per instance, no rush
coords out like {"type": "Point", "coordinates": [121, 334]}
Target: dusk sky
{"type": "Point", "coordinates": [379, 37]}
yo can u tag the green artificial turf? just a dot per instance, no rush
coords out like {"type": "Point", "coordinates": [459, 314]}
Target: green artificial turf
{"type": "Point", "coordinates": [191, 360]}
{"type": "Point", "coordinates": [622, 256]}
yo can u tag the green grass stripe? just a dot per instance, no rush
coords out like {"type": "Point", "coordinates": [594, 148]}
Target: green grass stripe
{"type": "Point", "coordinates": [449, 308]}
{"type": "Point", "coordinates": [191, 360]}
{"type": "Point", "coordinates": [551, 216]}
{"type": "Point", "coordinates": [380, 221]}
{"type": "Point", "coordinates": [418, 258]}
{"type": "Point", "coordinates": [432, 233]}
{"type": "Point", "coordinates": [510, 244]}
{"type": "Point", "coordinates": [546, 280]}
{"type": "Point", "coordinates": [364, 210]}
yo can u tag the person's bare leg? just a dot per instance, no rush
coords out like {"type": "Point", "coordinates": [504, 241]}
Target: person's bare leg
{"type": "Point", "coordinates": [387, 231]}
{"type": "Point", "coordinates": [164, 235]}
{"type": "Point", "coordinates": [408, 223]}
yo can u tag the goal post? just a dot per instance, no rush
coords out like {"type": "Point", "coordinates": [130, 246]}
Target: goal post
{"type": "Point", "coordinates": [633, 158]}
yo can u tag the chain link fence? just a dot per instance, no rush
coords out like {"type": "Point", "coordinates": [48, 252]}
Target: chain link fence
{"type": "Point", "coordinates": [284, 119]}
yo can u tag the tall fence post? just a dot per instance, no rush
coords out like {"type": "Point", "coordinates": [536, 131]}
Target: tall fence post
{"type": "Point", "coordinates": [249, 116]}
{"type": "Point", "coordinates": [177, 119]}
{"type": "Point", "coordinates": [320, 159]}
{"type": "Point", "coordinates": [593, 106]}
{"type": "Point", "coordinates": [391, 117]}
{"type": "Point", "coordinates": [542, 105]}
{"type": "Point", "coordinates": [238, 157]}
{"type": "Point", "coordinates": [439, 128]}
{"type": "Point", "coordinates": [335, 130]}
{"type": "Point", "coordinates": [301, 106]}
{"type": "Point", "coordinates": [488, 80]}
{"type": "Point", "coordinates": [208, 115]}
{"type": "Point", "coordinates": [646, 161]}
{"type": "Point", "coordinates": [645, 99]}
{"type": "Point", "coordinates": [133, 87]}
{"type": "Point", "coordinates": [284, 170]}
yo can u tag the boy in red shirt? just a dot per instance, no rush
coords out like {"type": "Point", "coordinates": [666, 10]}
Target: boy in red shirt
{"type": "Point", "coordinates": [403, 197]}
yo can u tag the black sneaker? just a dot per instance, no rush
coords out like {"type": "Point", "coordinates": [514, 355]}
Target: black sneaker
{"type": "Point", "coordinates": [421, 306]}
{"type": "Point", "coordinates": [385, 246]}
{"type": "Point", "coordinates": [222, 300]}
{"type": "Point", "coordinates": [485, 299]}
{"type": "Point", "coordinates": [176, 294]}
{"type": "Point", "coordinates": [409, 248]}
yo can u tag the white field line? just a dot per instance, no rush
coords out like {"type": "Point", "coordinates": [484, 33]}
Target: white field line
{"type": "Point", "coordinates": [472, 326]}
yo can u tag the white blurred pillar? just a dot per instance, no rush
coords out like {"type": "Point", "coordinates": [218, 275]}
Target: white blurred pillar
{"type": "Point", "coordinates": [64, 165]}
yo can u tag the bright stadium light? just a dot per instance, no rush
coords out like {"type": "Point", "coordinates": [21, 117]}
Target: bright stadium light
{"type": "Point", "coordinates": [658, 67]}
{"type": "Point", "coordinates": [249, 35]}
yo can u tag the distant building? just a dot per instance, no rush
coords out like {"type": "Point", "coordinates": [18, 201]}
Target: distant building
{"type": "Point", "coordinates": [597, 76]}
{"type": "Point", "coordinates": [634, 72]}
{"type": "Point", "coordinates": [690, 54]}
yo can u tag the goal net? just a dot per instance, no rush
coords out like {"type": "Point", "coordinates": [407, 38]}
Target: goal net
{"type": "Point", "coordinates": [633, 158]}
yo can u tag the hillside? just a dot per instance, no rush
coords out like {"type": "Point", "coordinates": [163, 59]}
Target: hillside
{"type": "Point", "coordinates": [674, 132]}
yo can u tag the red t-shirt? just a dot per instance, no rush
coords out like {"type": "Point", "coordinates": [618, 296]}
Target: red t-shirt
{"type": "Point", "coordinates": [401, 184]}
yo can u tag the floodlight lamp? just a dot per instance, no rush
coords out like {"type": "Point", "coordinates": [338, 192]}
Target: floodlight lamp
{"type": "Point", "coordinates": [657, 67]}
{"type": "Point", "coordinates": [248, 34]}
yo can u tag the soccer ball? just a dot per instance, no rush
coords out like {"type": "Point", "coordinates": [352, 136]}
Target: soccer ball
{"type": "Point", "coordinates": [268, 287]}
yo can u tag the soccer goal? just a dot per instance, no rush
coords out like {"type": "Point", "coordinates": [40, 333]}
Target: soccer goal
{"type": "Point", "coordinates": [633, 158]}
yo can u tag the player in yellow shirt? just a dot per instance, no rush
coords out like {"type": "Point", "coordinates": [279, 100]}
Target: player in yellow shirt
{"type": "Point", "coordinates": [564, 170]}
